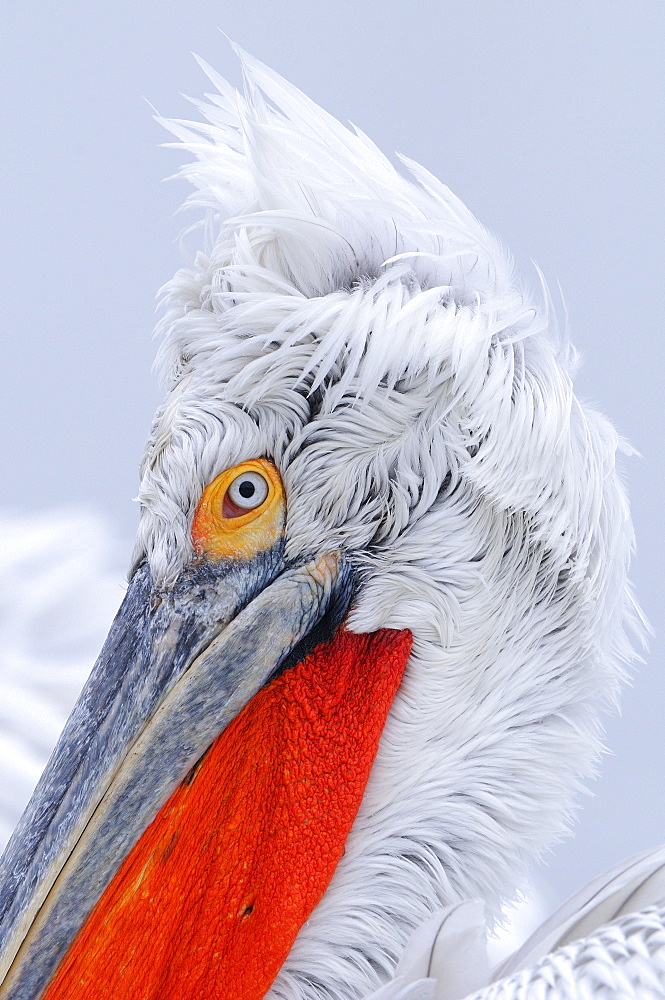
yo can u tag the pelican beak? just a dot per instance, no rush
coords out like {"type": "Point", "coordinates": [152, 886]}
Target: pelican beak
{"type": "Point", "coordinates": [176, 668]}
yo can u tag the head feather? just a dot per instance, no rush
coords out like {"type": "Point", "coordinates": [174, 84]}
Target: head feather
{"type": "Point", "coordinates": [362, 330]}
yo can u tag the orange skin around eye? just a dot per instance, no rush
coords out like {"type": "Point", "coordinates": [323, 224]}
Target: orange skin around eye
{"type": "Point", "coordinates": [241, 535]}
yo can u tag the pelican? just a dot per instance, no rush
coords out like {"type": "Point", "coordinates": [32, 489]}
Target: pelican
{"type": "Point", "coordinates": [376, 609]}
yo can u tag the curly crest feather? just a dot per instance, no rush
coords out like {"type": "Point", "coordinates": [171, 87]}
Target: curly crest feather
{"type": "Point", "coordinates": [367, 334]}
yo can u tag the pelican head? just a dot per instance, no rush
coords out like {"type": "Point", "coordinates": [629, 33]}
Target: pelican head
{"type": "Point", "coordinates": [376, 606]}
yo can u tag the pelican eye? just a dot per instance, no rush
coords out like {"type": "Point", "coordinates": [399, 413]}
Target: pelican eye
{"type": "Point", "coordinates": [241, 512]}
{"type": "Point", "coordinates": [247, 491]}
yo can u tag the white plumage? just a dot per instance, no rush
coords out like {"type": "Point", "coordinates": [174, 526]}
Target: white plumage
{"type": "Point", "coordinates": [364, 332]}
{"type": "Point", "coordinates": [607, 941]}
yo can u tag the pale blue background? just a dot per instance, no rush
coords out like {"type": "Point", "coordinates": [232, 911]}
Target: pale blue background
{"type": "Point", "coordinates": [545, 117]}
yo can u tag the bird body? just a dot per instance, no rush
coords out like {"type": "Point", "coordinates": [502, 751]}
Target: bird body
{"type": "Point", "coordinates": [607, 941]}
{"type": "Point", "coordinates": [369, 429]}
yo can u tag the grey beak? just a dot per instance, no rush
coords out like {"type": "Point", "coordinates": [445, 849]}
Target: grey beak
{"type": "Point", "coordinates": [175, 670]}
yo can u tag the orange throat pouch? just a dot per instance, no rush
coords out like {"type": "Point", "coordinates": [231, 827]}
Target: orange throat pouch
{"type": "Point", "coordinates": [209, 901]}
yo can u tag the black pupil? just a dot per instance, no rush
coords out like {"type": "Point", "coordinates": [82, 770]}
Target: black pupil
{"type": "Point", "coordinates": [247, 489]}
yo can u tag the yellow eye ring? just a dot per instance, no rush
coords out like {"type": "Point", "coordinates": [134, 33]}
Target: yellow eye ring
{"type": "Point", "coordinates": [241, 512]}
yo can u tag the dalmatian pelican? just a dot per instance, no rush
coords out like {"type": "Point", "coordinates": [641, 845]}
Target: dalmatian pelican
{"type": "Point", "coordinates": [376, 609]}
